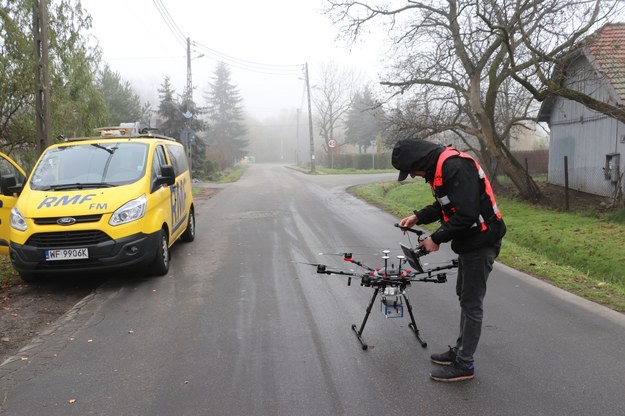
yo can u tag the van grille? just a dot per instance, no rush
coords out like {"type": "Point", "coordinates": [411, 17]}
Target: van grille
{"type": "Point", "coordinates": [68, 239]}
{"type": "Point", "coordinates": [78, 218]}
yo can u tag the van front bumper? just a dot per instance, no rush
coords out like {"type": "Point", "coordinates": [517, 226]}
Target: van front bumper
{"type": "Point", "coordinates": [137, 250]}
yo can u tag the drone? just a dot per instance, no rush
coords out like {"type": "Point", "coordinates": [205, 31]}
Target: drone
{"type": "Point", "coordinates": [391, 282]}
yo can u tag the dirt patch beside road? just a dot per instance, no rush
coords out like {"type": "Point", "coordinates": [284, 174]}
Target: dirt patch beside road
{"type": "Point", "coordinates": [27, 310]}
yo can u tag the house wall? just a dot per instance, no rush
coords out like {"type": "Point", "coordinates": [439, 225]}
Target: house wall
{"type": "Point", "coordinates": [585, 137]}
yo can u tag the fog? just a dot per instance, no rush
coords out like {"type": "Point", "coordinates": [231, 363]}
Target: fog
{"type": "Point", "coordinates": [265, 44]}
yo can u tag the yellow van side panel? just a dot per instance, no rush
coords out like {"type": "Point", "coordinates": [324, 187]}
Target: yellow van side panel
{"type": "Point", "coordinates": [180, 200]}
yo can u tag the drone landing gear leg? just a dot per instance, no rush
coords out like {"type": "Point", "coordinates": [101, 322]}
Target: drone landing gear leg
{"type": "Point", "coordinates": [413, 325]}
{"type": "Point", "coordinates": [362, 326]}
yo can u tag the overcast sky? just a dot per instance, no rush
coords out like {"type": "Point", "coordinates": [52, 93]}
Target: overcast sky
{"type": "Point", "coordinates": [265, 43]}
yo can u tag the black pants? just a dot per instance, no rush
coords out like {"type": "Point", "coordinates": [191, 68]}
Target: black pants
{"type": "Point", "coordinates": [473, 270]}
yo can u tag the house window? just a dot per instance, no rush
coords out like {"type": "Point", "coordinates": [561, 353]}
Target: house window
{"type": "Point", "coordinates": [611, 170]}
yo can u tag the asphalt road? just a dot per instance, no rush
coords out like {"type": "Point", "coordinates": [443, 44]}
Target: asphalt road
{"type": "Point", "coordinates": [240, 326]}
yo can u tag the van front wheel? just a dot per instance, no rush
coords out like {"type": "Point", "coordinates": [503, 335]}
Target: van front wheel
{"type": "Point", "coordinates": [189, 233]}
{"type": "Point", "coordinates": [160, 264]}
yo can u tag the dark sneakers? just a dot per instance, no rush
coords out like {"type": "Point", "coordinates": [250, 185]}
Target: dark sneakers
{"type": "Point", "coordinates": [445, 358]}
{"type": "Point", "coordinates": [453, 372]}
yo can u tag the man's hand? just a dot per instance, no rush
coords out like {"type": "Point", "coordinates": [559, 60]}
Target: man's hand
{"type": "Point", "coordinates": [429, 245]}
{"type": "Point", "coordinates": [408, 222]}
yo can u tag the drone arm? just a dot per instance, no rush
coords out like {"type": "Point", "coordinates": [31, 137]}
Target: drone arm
{"type": "Point", "coordinates": [322, 269]}
{"type": "Point", "coordinates": [360, 264]}
{"type": "Point", "coordinates": [439, 278]}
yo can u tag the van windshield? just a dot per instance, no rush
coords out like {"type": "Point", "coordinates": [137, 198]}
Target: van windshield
{"type": "Point", "coordinates": [85, 165]}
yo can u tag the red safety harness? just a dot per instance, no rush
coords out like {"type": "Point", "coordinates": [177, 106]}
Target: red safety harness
{"type": "Point", "coordinates": [488, 207]}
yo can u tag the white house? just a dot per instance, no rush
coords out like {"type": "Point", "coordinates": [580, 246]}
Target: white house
{"type": "Point", "coordinates": [593, 143]}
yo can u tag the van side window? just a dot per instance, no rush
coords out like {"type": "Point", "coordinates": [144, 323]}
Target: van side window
{"type": "Point", "coordinates": [158, 161]}
{"type": "Point", "coordinates": [178, 159]}
{"type": "Point", "coordinates": [8, 169]}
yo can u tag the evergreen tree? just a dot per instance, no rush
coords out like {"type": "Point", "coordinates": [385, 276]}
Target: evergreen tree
{"type": "Point", "coordinates": [225, 115]}
{"type": "Point", "coordinates": [172, 120]}
{"type": "Point", "coordinates": [196, 128]}
{"type": "Point", "coordinates": [123, 104]}
{"type": "Point", "coordinates": [364, 120]}
{"type": "Point", "coordinates": [180, 119]}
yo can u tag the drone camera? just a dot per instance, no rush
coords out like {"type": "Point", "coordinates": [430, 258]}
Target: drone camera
{"type": "Point", "coordinates": [441, 278]}
{"type": "Point", "coordinates": [321, 268]}
{"type": "Point", "coordinates": [391, 304]}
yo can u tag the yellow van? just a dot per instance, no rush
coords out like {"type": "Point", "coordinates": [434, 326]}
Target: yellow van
{"type": "Point", "coordinates": [119, 200]}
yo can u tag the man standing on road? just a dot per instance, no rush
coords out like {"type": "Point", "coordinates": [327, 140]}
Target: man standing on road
{"type": "Point", "coordinates": [465, 205]}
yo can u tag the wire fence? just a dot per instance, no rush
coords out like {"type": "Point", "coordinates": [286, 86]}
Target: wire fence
{"type": "Point", "coordinates": [569, 186]}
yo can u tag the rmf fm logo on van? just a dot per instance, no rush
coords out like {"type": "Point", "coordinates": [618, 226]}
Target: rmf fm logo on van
{"type": "Point", "coordinates": [55, 201]}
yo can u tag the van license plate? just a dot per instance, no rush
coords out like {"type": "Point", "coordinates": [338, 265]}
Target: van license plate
{"type": "Point", "coordinates": [67, 254]}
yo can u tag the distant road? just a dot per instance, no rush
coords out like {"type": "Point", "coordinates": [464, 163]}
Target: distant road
{"type": "Point", "coordinates": [240, 326]}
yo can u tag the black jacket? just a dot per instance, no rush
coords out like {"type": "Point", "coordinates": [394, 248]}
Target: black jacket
{"type": "Point", "coordinates": [464, 188]}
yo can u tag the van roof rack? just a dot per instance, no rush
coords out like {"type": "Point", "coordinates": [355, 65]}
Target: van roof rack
{"type": "Point", "coordinates": [123, 132]}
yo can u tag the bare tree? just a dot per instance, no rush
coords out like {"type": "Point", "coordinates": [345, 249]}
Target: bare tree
{"type": "Point", "coordinates": [453, 62]}
{"type": "Point", "coordinates": [332, 99]}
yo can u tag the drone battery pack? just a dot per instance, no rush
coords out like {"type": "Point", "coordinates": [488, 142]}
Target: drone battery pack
{"type": "Point", "coordinates": [392, 307]}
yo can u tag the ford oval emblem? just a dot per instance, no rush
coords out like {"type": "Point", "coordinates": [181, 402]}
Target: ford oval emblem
{"type": "Point", "coordinates": [66, 221]}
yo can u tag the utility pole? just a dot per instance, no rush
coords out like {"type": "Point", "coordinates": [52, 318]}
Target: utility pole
{"type": "Point", "coordinates": [310, 123]}
{"type": "Point", "coordinates": [297, 139]}
{"type": "Point", "coordinates": [188, 116]}
{"type": "Point", "coordinates": [42, 80]}
{"type": "Point", "coordinates": [189, 96]}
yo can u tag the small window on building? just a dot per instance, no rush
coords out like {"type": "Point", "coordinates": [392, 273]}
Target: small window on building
{"type": "Point", "coordinates": [611, 170]}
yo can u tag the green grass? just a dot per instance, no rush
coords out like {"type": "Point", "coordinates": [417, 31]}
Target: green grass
{"type": "Point", "coordinates": [231, 174]}
{"type": "Point", "coordinates": [195, 191]}
{"type": "Point", "coordinates": [579, 252]}
{"type": "Point", "coordinates": [8, 275]}
{"type": "Point", "coordinates": [351, 171]}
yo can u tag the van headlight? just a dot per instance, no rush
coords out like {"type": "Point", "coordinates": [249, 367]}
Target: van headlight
{"type": "Point", "coordinates": [130, 211]}
{"type": "Point", "coordinates": [17, 220]}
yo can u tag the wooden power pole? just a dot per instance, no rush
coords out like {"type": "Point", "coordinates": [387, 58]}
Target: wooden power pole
{"type": "Point", "coordinates": [42, 80]}
{"type": "Point", "coordinates": [310, 123]}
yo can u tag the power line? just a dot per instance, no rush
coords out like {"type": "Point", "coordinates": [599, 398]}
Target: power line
{"type": "Point", "coordinates": [270, 69]}
{"type": "Point", "coordinates": [144, 58]}
{"type": "Point", "coordinates": [261, 68]}
{"type": "Point", "coordinates": [246, 62]}
{"type": "Point", "coordinates": [170, 22]}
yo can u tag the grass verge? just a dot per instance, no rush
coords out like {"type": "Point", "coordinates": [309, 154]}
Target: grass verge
{"type": "Point", "coordinates": [230, 175]}
{"type": "Point", "coordinates": [351, 171]}
{"type": "Point", "coordinates": [8, 275]}
{"type": "Point", "coordinates": [579, 252]}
